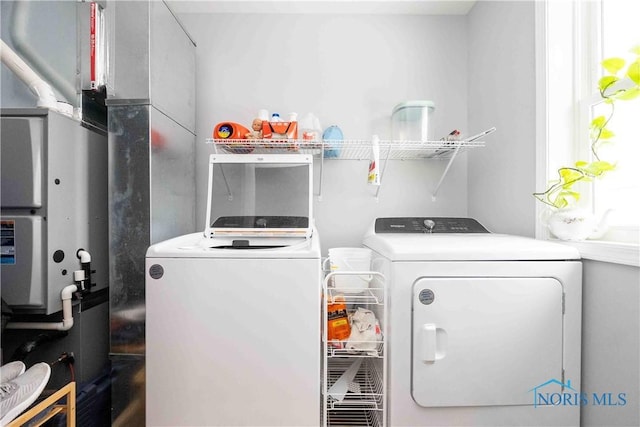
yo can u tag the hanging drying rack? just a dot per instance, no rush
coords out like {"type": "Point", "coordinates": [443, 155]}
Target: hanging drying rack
{"type": "Point", "coordinates": [355, 150]}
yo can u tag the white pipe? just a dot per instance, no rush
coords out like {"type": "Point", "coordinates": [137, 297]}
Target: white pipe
{"type": "Point", "coordinates": [67, 315]}
{"type": "Point", "coordinates": [20, 36]}
{"type": "Point", "coordinates": [84, 256]}
{"type": "Point", "coordinates": [46, 97]}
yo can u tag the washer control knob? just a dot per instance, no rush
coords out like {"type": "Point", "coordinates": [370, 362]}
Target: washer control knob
{"type": "Point", "coordinates": [429, 223]}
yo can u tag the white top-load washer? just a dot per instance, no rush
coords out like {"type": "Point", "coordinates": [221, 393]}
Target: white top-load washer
{"type": "Point", "coordinates": [233, 314]}
{"type": "Point", "coordinates": [484, 329]}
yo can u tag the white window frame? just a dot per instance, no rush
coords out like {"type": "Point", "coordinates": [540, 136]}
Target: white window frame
{"type": "Point", "coordinates": [558, 120]}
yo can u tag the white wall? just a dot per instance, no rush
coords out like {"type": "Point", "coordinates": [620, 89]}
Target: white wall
{"type": "Point", "coordinates": [349, 70]}
{"type": "Point", "coordinates": [502, 94]}
{"type": "Point", "coordinates": [611, 341]}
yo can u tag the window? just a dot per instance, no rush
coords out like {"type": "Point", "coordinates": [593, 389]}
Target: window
{"type": "Point", "coordinates": [578, 36]}
{"type": "Point", "coordinates": [620, 190]}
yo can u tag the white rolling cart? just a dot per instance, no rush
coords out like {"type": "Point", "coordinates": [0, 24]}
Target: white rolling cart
{"type": "Point", "coordinates": [354, 381]}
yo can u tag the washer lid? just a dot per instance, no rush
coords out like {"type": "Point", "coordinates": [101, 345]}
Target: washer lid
{"type": "Point", "coordinates": [466, 247]}
{"type": "Point", "coordinates": [255, 195]}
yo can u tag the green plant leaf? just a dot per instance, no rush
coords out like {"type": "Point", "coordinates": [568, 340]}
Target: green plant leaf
{"type": "Point", "coordinates": [628, 95]}
{"type": "Point", "coordinates": [598, 122]}
{"type": "Point", "coordinates": [635, 49]}
{"type": "Point", "coordinates": [560, 202]}
{"type": "Point", "coordinates": [633, 72]}
{"type": "Point", "coordinates": [581, 163]}
{"type": "Point", "coordinates": [606, 81]}
{"type": "Point", "coordinates": [569, 177]}
{"type": "Point", "coordinates": [613, 65]}
{"type": "Point", "coordinates": [603, 166]}
{"type": "Point", "coordinates": [606, 134]}
{"type": "Point", "coordinates": [597, 168]}
{"type": "Point", "coordinates": [565, 198]}
{"type": "Point", "coordinates": [573, 194]}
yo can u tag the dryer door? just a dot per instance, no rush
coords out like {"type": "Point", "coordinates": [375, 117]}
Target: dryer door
{"type": "Point", "coordinates": [485, 341]}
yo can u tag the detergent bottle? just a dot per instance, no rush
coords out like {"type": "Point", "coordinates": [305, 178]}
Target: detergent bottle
{"type": "Point", "coordinates": [338, 327]}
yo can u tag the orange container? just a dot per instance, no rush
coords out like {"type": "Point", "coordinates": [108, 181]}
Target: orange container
{"type": "Point", "coordinates": [229, 130]}
{"type": "Point", "coordinates": [338, 327]}
{"type": "Point", "coordinates": [279, 130]}
{"type": "Point", "coordinates": [233, 131]}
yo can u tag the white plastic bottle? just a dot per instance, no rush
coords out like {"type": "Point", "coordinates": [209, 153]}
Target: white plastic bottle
{"type": "Point", "coordinates": [374, 164]}
{"type": "Point", "coordinates": [263, 115]}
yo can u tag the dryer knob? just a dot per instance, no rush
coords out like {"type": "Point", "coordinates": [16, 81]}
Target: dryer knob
{"type": "Point", "coordinates": [429, 223]}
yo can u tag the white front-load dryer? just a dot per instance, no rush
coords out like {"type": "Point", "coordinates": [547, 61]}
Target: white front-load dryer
{"type": "Point", "coordinates": [484, 329]}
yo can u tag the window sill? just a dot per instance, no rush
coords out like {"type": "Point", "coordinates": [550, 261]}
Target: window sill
{"type": "Point", "coordinates": [613, 252]}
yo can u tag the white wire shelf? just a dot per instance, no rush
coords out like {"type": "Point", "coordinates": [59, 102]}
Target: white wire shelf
{"type": "Point", "coordinates": [355, 150]}
{"type": "Point", "coordinates": [347, 149]}
{"type": "Point", "coordinates": [368, 296]}
{"type": "Point", "coordinates": [369, 382]}
{"type": "Point", "coordinates": [355, 417]}
{"type": "Point", "coordinates": [376, 352]}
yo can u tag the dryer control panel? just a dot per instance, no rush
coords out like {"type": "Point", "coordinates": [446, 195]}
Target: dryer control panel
{"type": "Point", "coordinates": [428, 225]}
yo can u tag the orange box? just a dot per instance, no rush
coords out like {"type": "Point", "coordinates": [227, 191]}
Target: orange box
{"type": "Point", "coordinates": [279, 130]}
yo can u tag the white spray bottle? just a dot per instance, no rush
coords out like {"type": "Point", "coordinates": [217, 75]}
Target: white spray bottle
{"type": "Point", "coordinates": [374, 164]}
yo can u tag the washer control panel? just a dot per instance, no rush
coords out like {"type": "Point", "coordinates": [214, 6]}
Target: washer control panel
{"type": "Point", "coordinates": [428, 225]}
{"type": "Point", "coordinates": [261, 222]}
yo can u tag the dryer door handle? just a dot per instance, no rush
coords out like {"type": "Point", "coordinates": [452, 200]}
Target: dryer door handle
{"type": "Point", "coordinates": [428, 343]}
{"type": "Point", "coordinates": [432, 342]}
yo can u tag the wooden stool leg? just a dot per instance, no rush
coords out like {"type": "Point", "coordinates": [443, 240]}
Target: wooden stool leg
{"type": "Point", "coordinates": [71, 405]}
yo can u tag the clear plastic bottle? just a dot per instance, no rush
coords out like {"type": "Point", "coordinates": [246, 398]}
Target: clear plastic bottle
{"type": "Point", "coordinates": [309, 127]}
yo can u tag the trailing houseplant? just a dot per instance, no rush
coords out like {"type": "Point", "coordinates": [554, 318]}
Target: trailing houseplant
{"type": "Point", "coordinates": [621, 82]}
